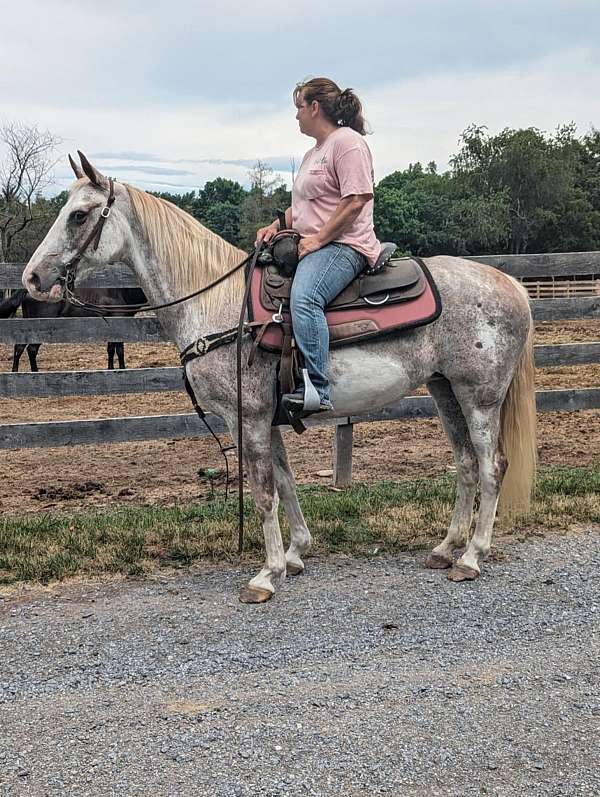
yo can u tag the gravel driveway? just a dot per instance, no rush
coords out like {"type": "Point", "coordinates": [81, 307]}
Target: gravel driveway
{"type": "Point", "coordinates": [360, 678]}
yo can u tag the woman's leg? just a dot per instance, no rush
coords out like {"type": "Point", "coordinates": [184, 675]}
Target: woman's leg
{"type": "Point", "coordinates": [319, 278]}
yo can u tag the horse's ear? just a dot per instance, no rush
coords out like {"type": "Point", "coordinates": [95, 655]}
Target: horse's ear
{"type": "Point", "coordinates": [96, 178]}
{"type": "Point", "coordinates": [76, 168]}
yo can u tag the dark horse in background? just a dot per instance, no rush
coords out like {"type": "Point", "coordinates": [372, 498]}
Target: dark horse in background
{"type": "Point", "coordinates": [31, 308]}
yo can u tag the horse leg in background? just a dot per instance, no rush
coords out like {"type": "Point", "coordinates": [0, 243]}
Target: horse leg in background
{"type": "Point", "coordinates": [258, 460]}
{"type": "Point", "coordinates": [18, 350]}
{"type": "Point", "coordinates": [300, 539]}
{"type": "Point", "coordinates": [32, 353]}
{"type": "Point", "coordinates": [119, 349]}
{"type": "Point", "coordinates": [120, 354]}
{"type": "Point", "coordinates": [465, 458]}
{"type": "Point", "coordinates": [484, 425]}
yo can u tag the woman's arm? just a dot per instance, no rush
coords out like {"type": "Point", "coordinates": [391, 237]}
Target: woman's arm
{"type": "Point", "coordinates": [342, 217]}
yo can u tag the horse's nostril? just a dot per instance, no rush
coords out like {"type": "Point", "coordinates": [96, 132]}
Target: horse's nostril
{"type": "Point", "coordinates": [35, 281]}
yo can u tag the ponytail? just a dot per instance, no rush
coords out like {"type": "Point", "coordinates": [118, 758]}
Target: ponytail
{"type": "Point", "coordinates": [340, 107]}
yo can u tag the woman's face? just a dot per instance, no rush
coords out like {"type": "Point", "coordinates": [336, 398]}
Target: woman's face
{"type": "Point", "coordinates": [305, 114]}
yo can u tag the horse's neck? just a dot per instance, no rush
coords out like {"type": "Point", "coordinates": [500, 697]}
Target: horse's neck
{"type": "Point", "coordinates": [188, 320]}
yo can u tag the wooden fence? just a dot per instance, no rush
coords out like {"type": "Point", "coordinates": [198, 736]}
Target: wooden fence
{"type": "Point", "coordinates": [146, 380]}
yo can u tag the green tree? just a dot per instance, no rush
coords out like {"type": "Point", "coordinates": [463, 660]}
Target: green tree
{"type": "Point", "coordinates": [224, 219]}
{"type": "Point", "coordinates": [267, 194]}
{"type": "Point", "coordinates": [216, 192]}
{"type": "Point", "coordinates": [536, 175]}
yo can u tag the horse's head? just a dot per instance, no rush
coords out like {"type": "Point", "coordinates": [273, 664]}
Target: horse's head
{"type": "Point", "coordinates": [45, 273]}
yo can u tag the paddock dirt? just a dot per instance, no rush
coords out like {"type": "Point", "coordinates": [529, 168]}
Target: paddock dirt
{"type": "Point", "coordinates": [165, 472]}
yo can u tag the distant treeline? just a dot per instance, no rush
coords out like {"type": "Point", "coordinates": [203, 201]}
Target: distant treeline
{"type": "Point", "coordinates": [514, 192]}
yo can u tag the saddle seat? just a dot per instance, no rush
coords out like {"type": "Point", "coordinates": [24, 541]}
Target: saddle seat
{"type": "Point", "coordinates": [401, 294]}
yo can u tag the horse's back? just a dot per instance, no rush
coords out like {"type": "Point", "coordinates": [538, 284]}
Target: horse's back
{"type": "Point", "coordinates": [485, 321]}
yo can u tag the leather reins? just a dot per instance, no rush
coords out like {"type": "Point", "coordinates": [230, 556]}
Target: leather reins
{"type": "Point", "coordinates": [198, 348]}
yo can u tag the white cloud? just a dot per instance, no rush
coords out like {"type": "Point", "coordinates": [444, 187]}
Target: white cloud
{"type": "Point", "coordinates": [421, 119]}
{"type": "Point", "coordinates": [202, 91]}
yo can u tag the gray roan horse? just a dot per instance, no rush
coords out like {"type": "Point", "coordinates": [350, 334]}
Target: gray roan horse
{"type": "Point", "coordinates": [476, 360]}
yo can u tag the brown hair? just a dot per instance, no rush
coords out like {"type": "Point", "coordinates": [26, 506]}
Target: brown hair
{"type": "Point", "coordinates": [340, 107]}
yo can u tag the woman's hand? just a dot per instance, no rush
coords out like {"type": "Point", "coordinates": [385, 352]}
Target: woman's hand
{"type": "Point", "coordinates": [307, 245]}
{"type": "Point", "coordinates": [266, 233]}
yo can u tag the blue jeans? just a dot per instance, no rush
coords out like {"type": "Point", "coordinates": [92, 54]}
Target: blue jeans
{"type": "Point", "coordinates": [319, 278]}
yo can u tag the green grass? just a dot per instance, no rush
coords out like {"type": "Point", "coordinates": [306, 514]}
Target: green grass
{"type": "Point", "coordinates": [384, 516]}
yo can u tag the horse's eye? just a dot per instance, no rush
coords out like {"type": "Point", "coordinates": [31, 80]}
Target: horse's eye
{"type": "Point", "coordinates": [79, 216]}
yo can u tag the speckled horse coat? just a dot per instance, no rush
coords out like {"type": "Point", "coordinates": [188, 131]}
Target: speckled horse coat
{"type": "Point", "coordinates": [476, 360]}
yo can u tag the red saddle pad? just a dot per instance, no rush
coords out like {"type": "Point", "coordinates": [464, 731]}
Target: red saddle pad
{"type": "Point", "coordinates": [351, 325]}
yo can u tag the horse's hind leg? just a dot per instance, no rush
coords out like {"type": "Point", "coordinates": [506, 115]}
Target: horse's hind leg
{"type": "Point", "coordinates": [286, 487]}
{"type": "Point", "coordinates": [120, 354]}
{"type": "Point", "coordinates": [32, 353]}
{"type": "Point", "coordinates": [484, 425]}
{"type": "Point", "coordinates": [465, 458]}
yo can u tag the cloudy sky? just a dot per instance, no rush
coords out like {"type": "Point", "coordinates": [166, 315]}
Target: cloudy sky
{"type": "Point", "coordinates": [169, 94]}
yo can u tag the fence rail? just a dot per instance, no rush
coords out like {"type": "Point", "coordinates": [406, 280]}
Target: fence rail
{"type": "Point", "coordinates": [50, 434]}
{"type": "Point", "coordinates": [554, 264]}
{"type": "Point", "coordinates": [148, 380]}
{"type": "Point", "coordinates": [169, 379]}
{"type": "Point", "coordinates": [148, 329]}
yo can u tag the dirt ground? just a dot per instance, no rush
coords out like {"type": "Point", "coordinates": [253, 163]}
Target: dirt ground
{"type": "Point", "coordinates": [166, 471]}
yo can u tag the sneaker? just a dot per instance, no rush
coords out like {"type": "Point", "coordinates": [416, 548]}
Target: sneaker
{"type": "Point", "coordinates": [294, 402]}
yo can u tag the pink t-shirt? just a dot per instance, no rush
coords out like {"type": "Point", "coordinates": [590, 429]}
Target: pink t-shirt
{"type": "Point", "coordinates": [341, 166]}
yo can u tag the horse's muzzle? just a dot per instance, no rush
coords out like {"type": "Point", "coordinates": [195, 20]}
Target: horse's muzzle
{"type": "Point", "coordinates": [43, 284]}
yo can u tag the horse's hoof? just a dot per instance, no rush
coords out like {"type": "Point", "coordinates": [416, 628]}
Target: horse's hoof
{"type": "Point", "coordinates": [255, 595]}
{"type": "Point", "coordinates": [462, 573]}
{"type": "Point", "coordinates": [438, 562]}
{"type": "Point", "coordinates": [293, 569]}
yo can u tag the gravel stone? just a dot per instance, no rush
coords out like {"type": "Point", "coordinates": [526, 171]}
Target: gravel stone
{"type": "Point", "coordinates": [361, 678]}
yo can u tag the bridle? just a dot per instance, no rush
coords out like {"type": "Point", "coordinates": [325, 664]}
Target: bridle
{"type": "Point", "coordinates": [94, 235]}
{"type": "Point", "coordinates": [198, 348]}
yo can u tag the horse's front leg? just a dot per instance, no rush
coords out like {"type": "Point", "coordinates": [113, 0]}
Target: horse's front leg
{"type": "Point", "coordinates": [18, 350]}
{"type": "Point", "coordinates": [261, 477]}
{"type": "Point", "coordinates": [300, 538]}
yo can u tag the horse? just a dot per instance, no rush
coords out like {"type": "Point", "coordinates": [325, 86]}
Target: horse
{"type": "Point", "coordinates": [476, 360]}
{"type": "Point", "coordinates": [64, 309]}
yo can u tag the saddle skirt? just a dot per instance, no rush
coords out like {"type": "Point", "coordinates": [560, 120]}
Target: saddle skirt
{"type": "Point", "coordinates": [402, 295]}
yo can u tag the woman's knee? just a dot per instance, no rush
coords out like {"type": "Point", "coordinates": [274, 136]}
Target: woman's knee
{"type": "Point", "coordinates": [304, 300]}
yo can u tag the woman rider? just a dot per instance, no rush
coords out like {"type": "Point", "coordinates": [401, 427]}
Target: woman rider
{"type": "Point", "coordinates": [332, 209]}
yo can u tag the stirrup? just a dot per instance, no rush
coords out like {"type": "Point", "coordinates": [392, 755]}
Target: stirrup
{"type": "Point", "coordinates": [296, 406]}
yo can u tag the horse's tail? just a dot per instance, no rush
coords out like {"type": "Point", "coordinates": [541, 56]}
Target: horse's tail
{"type": "Point", "coordinates": [9, 307]}
{"type": "Point", "coordinates": [518, 436]}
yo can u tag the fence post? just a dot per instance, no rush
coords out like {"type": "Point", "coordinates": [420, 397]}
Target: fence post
{"type": "Point", "coordinates": [342, 455]}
